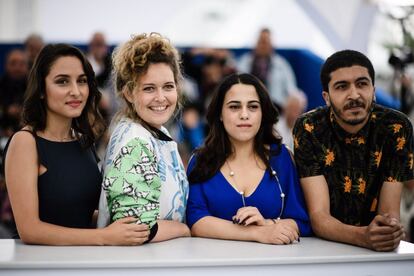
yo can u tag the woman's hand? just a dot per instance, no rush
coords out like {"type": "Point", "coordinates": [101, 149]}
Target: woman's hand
{"type": "Point", "coordinates": [125, 232]}
{"type": "Point", "coordinates": [250, 216]}
{"type": "Point", "coordinates": [284, 231]}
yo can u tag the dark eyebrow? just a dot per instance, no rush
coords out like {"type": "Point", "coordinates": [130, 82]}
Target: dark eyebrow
{"type": "Point", "coordinates": [340, 82]}
{"type": "Point", "coordinates": [67, 76]}
{"type": "Point", "coordinates": [61, 76]}
{"type": "Point", "coordinates": [358, 79]}
{"type": "Point", "coordinates": [238, 102]}
{"type": "Point", "coordinates": [363, 79]}
{"type": "Point", "coordinates": [233, 102]}
{"type": "Point", "coordinates": [254, 101]}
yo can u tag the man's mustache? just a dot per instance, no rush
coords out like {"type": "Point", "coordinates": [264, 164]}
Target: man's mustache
{"type": "Point", "coordinates": [354, 103]}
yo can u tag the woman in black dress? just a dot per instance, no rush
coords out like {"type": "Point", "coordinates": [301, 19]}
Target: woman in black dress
{"type": "Point", "coordinates": [51, 169]}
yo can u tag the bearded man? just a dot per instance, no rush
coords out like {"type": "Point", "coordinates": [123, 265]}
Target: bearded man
{"type": "Point", "coordinates": [352, 156]}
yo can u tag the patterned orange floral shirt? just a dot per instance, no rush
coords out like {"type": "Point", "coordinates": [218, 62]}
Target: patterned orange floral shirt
{"type": "Point", "coordinates": [354, 165]}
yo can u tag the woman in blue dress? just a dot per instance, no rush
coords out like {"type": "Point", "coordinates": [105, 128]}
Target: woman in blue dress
{"type": "Point", "coordinates": [243, 182]}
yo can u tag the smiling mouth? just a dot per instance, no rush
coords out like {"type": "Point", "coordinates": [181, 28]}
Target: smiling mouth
{"type": "Point", "coordinates": [159, 108]}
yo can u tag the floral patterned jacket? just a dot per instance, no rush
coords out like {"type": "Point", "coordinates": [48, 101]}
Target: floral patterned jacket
{"type": "Point", "coordinates": [144, 176]}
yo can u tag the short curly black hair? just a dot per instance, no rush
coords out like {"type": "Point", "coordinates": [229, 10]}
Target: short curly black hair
{"type": "Point", "coordinates": [341, 59]}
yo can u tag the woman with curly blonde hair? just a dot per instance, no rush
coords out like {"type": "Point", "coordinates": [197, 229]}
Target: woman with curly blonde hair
{"type": "Point", "coordinates": [144, 176]}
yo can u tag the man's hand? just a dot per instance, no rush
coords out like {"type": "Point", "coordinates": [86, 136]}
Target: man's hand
{"type": "Point", "coordinates": [384, 233]}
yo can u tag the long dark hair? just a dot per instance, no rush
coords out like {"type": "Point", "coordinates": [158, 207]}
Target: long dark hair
{"type": "Point", "coordinates": [90, 125]}
{"type": "Point", "coordinates": [217, 146]}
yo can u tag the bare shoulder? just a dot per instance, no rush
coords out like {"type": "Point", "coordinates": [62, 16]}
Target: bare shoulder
{"type": "Point", "coordinates": [21, 160]}
{"type": "Point", "coordinates": [22, 142]}
{"type": "Point", "coordinates": [22, 138]}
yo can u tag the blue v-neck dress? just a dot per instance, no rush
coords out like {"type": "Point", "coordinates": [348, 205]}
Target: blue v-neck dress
{"type": "Point", "coordinates": [218, 198]}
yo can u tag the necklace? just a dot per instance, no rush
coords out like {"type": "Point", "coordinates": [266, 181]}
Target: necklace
{"type": "Point", "coordinates": [274, 174]}
{"type": "Point", "coordinates": [235, 182]}
{"type": "Point", "coordinates": [69, 137]}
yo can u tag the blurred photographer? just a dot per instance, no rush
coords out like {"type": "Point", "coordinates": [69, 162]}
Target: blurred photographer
{"type": "Point", "coordinates": [401, 85]}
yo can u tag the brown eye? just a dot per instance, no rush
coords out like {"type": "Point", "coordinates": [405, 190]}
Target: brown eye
{"type": "Point", "coordinates": [169, 87]}
{"type": "Point", "coordinates": [62, 81]}
{"type": "Point", "coordinates": [83, 80]}
{"type": "Point", "coordinates": [341, 87]}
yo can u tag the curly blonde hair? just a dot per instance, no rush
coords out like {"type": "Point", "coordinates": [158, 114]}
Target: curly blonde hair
{"type": "Point", "coordinates": [131, 61]}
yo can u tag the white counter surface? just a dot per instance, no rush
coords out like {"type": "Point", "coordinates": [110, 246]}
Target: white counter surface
{"type": "Point", "coordinates": [185, 256]}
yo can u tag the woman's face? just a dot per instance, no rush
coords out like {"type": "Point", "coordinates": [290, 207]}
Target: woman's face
{"type": "Point", "coordinates": [241, 113]}
{"type": "Point", "coordinates": [67, 88]}
{"type": "Point", "coordinates": [155, 95]}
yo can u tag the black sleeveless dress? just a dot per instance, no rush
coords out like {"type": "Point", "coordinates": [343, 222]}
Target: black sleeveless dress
{"type": "Point", "coordinates": [70, 188]}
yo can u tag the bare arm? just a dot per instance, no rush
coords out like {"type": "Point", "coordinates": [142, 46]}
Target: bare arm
{"type": "Point", "coordinates": [22, 169]}
{"type": "Point", "coordinates": [282, 232]}
{"type": "Point", "coordinates": [169, 229]}
{"type": "Point", "coordinates": [390, 199]}
{"type": "Point", "coordinates": [381, 235]}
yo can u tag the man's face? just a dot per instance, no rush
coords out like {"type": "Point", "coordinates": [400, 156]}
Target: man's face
{"type": "Point", "coordinates": [16, 65]}
{"type": "Point", "coordinates": [351, 94]}
{"type": "Point", "coordinates": [264, 45]}
{"type": "Point", "coordinates": [98, 46]}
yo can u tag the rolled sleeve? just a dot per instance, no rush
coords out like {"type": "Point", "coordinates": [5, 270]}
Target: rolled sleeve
{"type": "Point", "coordinates": [307, 161]}
{"type": "Point", "coordinates": [132, 184]}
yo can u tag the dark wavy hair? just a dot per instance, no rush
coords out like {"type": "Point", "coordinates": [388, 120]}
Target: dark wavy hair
{"type": "Point", "coordinates": [341, 59]}
{"type": "Point", "coordinates": [217, 146]}
{"type": "Point", "coordinates": [89, 126]}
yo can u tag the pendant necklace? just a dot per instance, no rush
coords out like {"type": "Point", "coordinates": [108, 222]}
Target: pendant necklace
{"type": "Point", "coordinates": [274, 174]}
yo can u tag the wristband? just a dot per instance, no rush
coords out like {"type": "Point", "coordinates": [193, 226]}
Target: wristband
{"type": "Point", "coordinates": [153, 232]}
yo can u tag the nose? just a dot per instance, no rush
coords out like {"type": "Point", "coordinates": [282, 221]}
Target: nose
{"type": "Point", "coordinates": [244, 115]}
{"type": "Point", "coordinates": [353, 92]}
{"type": "Point", "coordinates": [75, 90]}
{"type": "Point", "coordinates": [159, 95]}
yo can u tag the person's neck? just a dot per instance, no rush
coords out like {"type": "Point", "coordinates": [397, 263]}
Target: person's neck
{"type": "Point", "coordinates": [351, 129]}
{"type": "Point", "coordinates": [263, 56]}
{"type": "Point", "coordinates": [290, 122]}
{"type": "Point", "coordinates": [243, 151]}
{"type": "Point", "coordinates": [58, 130]}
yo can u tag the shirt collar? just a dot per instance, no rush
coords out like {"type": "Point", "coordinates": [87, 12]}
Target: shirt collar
{"type": "Point", "coordinates": [159, 134]}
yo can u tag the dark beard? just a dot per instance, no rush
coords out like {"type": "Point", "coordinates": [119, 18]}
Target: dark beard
{"type": "Point", "coordinates": [351, 104]}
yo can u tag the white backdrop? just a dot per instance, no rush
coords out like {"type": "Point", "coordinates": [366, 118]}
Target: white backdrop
{"type": "Point", "coordinates": [319, 25]}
